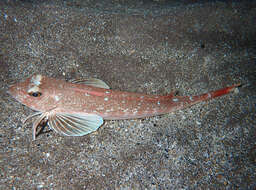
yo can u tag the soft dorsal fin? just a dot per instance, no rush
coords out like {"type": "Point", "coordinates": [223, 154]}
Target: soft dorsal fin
{"type": "Point", "coordinates": [91, 82]}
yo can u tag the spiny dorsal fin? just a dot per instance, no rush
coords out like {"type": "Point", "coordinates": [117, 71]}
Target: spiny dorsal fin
{"type": "Point", "coordinates": [91, 82]}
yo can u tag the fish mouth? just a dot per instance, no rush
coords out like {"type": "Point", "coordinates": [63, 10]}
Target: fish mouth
{"type": "Point", "coordinates": [13, 91]}
{"type": "Point", "coordinates": [10, 89]}
{"type": "Point", "coordinates": [8, 92]}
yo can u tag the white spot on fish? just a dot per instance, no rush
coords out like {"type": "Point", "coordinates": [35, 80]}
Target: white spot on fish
{"type": "Point", "coordinates": [107, 92]}
{"type": "Point", "coordinates": [142, 97]}
{"type": "Point", "coordinates": [87, 94]}
{"type": "Point", "coordinates": [36, 80]}
{"type": "Point", "coordinates": [175, 99]}
{"type": "Point", "coordinates": [123, 101]}
{"type": "Point", "coordinates": [190, 98]}
{"type": "Point", "coordinates": [158, 103]}
{"type": "Point", "coordinates": [57, 98]}
{"type": "Point", "coordinates": [209, 95]}
{"type": "Point", "coordinates": [106, 99]}
{"type": "Point", "coordinates": [100, 108]}
{"type": "Point", "coordinates": [155, 110]}
{"type": "Point", "coordinates": [33, 89]}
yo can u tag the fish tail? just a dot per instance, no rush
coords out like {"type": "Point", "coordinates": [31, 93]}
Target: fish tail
{"type": "Point", "coordinates": [213, 94]}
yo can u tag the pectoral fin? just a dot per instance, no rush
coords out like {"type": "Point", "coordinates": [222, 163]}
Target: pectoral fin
{"type": "Point", "coordinates": [74, 124]}
{"type": "Point", "coordinates": [91, 82]}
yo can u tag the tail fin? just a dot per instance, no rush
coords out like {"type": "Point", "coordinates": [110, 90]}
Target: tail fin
{"type": "Point", "coordinates": [213, 94]}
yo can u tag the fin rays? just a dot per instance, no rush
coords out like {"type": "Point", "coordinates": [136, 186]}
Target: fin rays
{"type": "Point", "coordinates": [75, 124]}
{"type": "Point", "coordinates": [91, 82]}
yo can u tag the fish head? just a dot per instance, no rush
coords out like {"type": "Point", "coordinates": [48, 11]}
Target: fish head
{"type": "Point", "coordinates": [33, 92]}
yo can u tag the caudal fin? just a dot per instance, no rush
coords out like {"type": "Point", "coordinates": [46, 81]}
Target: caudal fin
{"type": "Point", "coordinates": [214, 94]}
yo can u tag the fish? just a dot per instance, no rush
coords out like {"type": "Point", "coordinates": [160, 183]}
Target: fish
{"type": "Point", "coordinates": [79, 107]}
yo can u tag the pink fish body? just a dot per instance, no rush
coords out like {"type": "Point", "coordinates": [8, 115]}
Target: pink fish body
{"type": "Point", "coordinates": [79, 107]}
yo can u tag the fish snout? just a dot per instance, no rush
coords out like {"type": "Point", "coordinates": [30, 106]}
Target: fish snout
{"type": "Point", "coordinates": [8, 92]}
{"type": "Point", "coordinates": [14, 90]}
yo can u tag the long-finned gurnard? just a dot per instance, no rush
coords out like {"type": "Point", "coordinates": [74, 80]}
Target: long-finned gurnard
{"type": "Point", "coordinates": [79, 107]}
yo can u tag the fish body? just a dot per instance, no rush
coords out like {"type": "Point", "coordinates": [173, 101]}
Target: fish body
{"type": "Point", "coordinates": [79, 107]}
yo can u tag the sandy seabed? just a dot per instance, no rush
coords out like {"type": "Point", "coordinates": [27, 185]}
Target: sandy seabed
{"type": "Point", "coordinates": [152, 47]}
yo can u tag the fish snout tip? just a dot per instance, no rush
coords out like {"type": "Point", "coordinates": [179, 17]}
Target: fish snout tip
{"type": "Point", "coordinates": [8, 92]}
{"type": "Point", "coordinates": [11, 90]}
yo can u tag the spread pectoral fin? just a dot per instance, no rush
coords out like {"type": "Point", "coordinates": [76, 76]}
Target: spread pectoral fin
{"type": "Point", "coordinates": [74, 124]}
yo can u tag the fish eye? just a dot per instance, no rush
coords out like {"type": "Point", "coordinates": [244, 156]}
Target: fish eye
{"type": "Point", "coordinates": [35, 94]}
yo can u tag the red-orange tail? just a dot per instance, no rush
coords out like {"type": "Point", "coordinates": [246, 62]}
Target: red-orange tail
{"type": "Point", "coordinates": [213, 94]}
